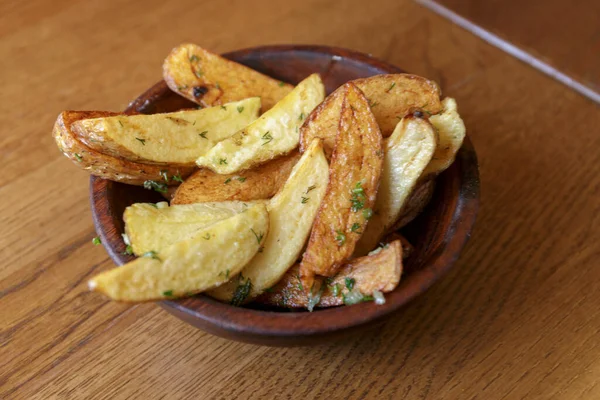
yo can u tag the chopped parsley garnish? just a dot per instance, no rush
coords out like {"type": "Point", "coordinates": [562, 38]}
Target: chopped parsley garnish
{"type": "Point", "coordinates": [311, 188]}
{"type": "Point", "coordinates": [128, 250]}
{"type": "Point", "coordinates": [223, 161]}
{"type": "Point", "coordinates": [194, 58]}
{"type": "Point", "coordinates": [267, 138]}
{"type": "Point", "coordinates": [120, 123]}
{"type": "Point", "coordinates": [350, 283]}
{"type": "Point", "coordinates": [240, 109]}
{"type": "Point", "coordinates": [151, 254]}
{"type": "Point", "coordinates": [241, 179]}
{"type": "Point", "coordinates": [300, 282]}
{"type": "Point", "coordinates": [227, 274]}
{"type": "Point", "coordinates": [372, 104]}
{"type": "Point", "coordinates": [96, 241]}
{"type": "Point", "coordinates": [259, 238]}
{"type": "Point", "coordinates": [198, 73]}
{"type": "Point", "coordinates": [142, 141]}
{"type": "Point", "coordinates": [340, 238]}
{"type": "Point", "coordinates": [168, 293]}
{"type": "Point", "coordinates": [358, 198]}
{"type": "Point", "coordinates": [157, 186]}
{"type": "Point", "coordinates": [78, 157]}
{"type": "Point", "coordinates": [153, 205]}
{"type": "Point", "coordinates": [241, 292]}
{"type": "Point", "coordinates": [203, 134]}
{"type": "Point", "coordinates": [269, 290]}
{"type": "Point", "coordinates": [314, 298]}
{"type": "Point", "coordinates": [367, 213]}
{"type": "Point", "coordinates": [304, 200]}
{"type": "Point", "coordinates": [217, 86]}
{"type": "Point", "coordinates": [301, 117]}
{"type": "Point", "coordinates": [337, 289]}
{"type": "Point", "coordinates": [163, 173]}
{"type": "Point", "coordinates": [223, 108]}
{"type": "Point", "coordinates": [391, 87]}
{"type": "Point", "coordinates": [281, 84]}
{"type": "Point", "coordinates": [206, 237]}
{"type": "Point", "coordinates": [177, 178]}
{"type": "Point", "coordinates": [354, 297]}
{"type": "Point", "coordinates": [227, 180]}
{"type": "Point", "coordinates": [355, 228]}
{"type": "Point", "coordinates": [398, 117]}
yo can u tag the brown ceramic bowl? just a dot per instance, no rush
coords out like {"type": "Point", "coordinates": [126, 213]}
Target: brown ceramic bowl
{"type": "Point", "coordinates": [438, 234]}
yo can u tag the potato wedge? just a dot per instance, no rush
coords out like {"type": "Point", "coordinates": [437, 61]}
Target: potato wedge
{"type": "Point", "coordinates": [380, 271]}
{"type": "Point", "coordinates": [451, 132]}
{"type": "Point", "coordinates": [105, 166]}
{"type": "Point", "coordinates": [407, 153]}
{"type": "Point", "coordinates": [209, 79]}
{"type": "Point", "coordinates": [391, 97]}
{"type": "Point", "coordinates": [261, 182]}
{"type": "Point", "coordinates": [407, 247]}
{"type": "Point", "coordinates": [189, 266]}
{"type": "Point", "coordinates": [155, 227]}
{"type": "Point", "coordinates": [275, 133]}
{"type": "Point", "coordinates": [323, 121]}
{"type": "Point", "coordinates": [354, 174]}
{"type": "Point", "coordinates": [291, 214]}
{"type": "Point", "coordinates": [418, 199]}
{"type": "Point", "coordinates": [176, 138]}
{"type": "Point", "coordinates": [394, 96]}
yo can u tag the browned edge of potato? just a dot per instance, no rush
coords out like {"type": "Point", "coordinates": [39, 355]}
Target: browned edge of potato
{"type": "Point", "coordinates": [102, 165]}
{"type": "Point", "coordinates": [415, 204]}
{"type": "Point", "coordinates": [208, 79]}
{"type": "Point", "coordinates": [380, 271]}
{"type": "Point", "coordinates": [323, 122]}
{"type": "Point", "coordinates": [355, 170]}
{"type": "Point", "coordinates": [261, 182]}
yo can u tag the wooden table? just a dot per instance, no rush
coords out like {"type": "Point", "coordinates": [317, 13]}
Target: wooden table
{"type": "Point", "coordinates": [518, 317]}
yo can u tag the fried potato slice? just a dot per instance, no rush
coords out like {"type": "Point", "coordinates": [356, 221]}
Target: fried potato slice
{"type": "Point", "coordinates": [291, 214]}
{"type": "Point", "coordinates": [275, 133]}
{"type": "Point", "coordinates": [418, 199]}
{"type": "Point", "coordinates": [323, 121]}
{"type": "Point", "coordinates": [394, 96]}
{"type": "Point", "coordinates": [209, 79]}
{"type": "Point", "coordinates": [451, 132]}
{"type": "Point", "coordinates": [155, 227]}
{"type": "Point", "coordinates": [354, 174]}
{"type": "Point", "coordinates": [380, 271]}
{"type": "Point", "coordinates": [189, 266]}
{"type": "Point", "coordinates": [391, 97]}
{"type": "Point", "coordinates": [105, 166]}
{"type": "Point", "coordinates": [407, 153]}
{"type": "Point", "coordinates": [407, 247]}
{"type": "Point", "coordinates": [261, 182]}
{"type": "Point", "coordinates": [176, 138]}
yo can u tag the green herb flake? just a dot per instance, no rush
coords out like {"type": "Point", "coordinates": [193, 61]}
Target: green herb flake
{"type": "Point", "coordinates": [259, 238]}
{"type": "Point", "coordinates": [203, 135]}
{"type": "Point", "coordinates": [354, 297]}
{"type": "Point", "coordinates": [301, 117]}
{"type": "Point", "coordinates": [206, 237]}
{"type": "Point", "coordinates": [241, 179]}
{"type": "Point", "coordinates": [357, 200]}
{"type": "Point", "coordinates": [281, 84]}
{"type": "Point", "coordinates": [350, 283]}
{"type": "Point", "coordinates": [168, 293]}
{"type": "Point", "coordinates": [165, 176]}
{"type": "Point", "coordinates": [198, 73]}
{"type": "Point", "coordinates": [367, 213]}
{"type": "Point", "coordinates": [194, 58]}
{"type": "Point", "coordinates": [337, 289]}
{"type": "Point", "coordinates": [269, 290]}
{"type": "Point", "coordinates": [305, 200]}
{"type": "Point", "coordinates": [96, 241]}
{"type": "Point", "coordinates": [217, 86]}
{"type": "Point", "coordinates": [227, 180]}
{"type": "Point", "coordinates": [267, 137]}
{"type": "Point", "coordinates": [373, 104]}
{"type": "Point", "coordinates": [227, 274]}
{"type": "Point", "coordinates": [177, 178]}
{"type": "Point", "coordinates": [153, 205]}
{"type": "Point", "coordinates": [299, 282]}
{"type": "Point", "coordinates": [157, 186]}
{"type": "Point", "coordinates": [151, 254]}
{"type": "Point", "coordinates": [310, 188]}
{"type": "Point", "coordinates": [355, 228]}
{"type": "Point", "coordinates": [223, 161]}
{"type": "Point", "coordinates": [224, 108]}
{"type": "Point", "coordinates": [78, 157]}
{"type": "Point", "coordinates": [340, 238]}
{"type": "Point", "coordinates": [128, 250]}
{"type": "Point", "coordinates": [241, 292]}
{"type": "Point", "coordinates": [142, 141]}
{"type": "Point", "coordinates": [240, 109]}
{"type": "Point", "coordinates": [398, 117]}
{"type": "Point", "coordinates": [391, 87]}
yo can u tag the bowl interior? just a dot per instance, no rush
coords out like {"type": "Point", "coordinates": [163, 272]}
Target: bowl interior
{"type": "Point", "coordinates": [438, 234]}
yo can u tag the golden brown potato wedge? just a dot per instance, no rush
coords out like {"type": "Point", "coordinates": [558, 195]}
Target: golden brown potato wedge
{"type": "Point", "coordinates": [354, 174]}
{"type": "Point", "coordinates": [407, 153]}
{"type": "Point", "coordinates": [394, 96]}
{"type": "Point", "coordinates": [391, 98]}
{"type": "Point", "coordinates": [176, 138]}
{"type": "Point", "coordinates": [451, 133]}
{"type": "Point", "coordinates": [261, 182]}
{"type": "Point", "coordinates": [365, 275]}
{"type": "Point", "coordinates": [202, 262]}
{"type": "Point", "coordinates": [104, 166]}
{"type": "Point", "coordinates": [407, 247]}
{"type": "Point", "coordinates": [291, 215]}
{"type": "Point", "coordinates": [275, 133]}
{"type": "Point", "coordinates": [209, 79]}
{"type": "Point", "coordinates": [418, 199]}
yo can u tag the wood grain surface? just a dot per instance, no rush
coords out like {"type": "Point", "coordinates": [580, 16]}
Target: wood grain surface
{"type": "Point", "coordinates": [517, 318]}
{"type": "Point", "coordinates": [565, 36]}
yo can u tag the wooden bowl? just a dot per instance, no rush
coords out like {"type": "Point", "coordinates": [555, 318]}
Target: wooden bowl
{"type": "Point", "coordinates": [438, 234]}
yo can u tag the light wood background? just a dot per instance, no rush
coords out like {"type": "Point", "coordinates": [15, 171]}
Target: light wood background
{"type": "Point", "coordinates": [517, 318]}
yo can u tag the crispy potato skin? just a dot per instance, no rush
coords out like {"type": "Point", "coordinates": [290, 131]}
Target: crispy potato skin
{"type": "Point", "coordinates": [415, 204]}
{"type": "Point", "coordinates": [102, 165]}
{"type": "Point", "coordinates": [209, 79]}
{"type": "Point", "coordinates": [394, 96]}
{"type": "Point", "coordinates": [391, 98]}
{"type": "Point", "coordinates": [379, 271]}
{"type": "Point", "coordinates": [357, 159]}
{"type": "Point", "coordinates": [261, 182]}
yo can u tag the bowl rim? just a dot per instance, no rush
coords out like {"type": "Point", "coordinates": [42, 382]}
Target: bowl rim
{"type": "Point", "coordinates": [230, 319]}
